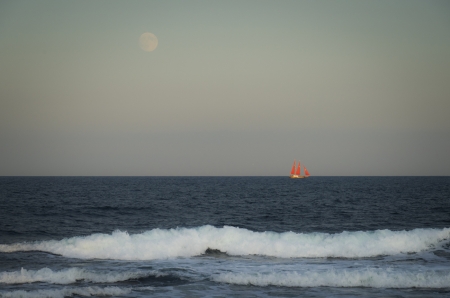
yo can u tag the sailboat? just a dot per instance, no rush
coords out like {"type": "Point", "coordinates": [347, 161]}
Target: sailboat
{"type": "Point", "coordinates": [296, 172]}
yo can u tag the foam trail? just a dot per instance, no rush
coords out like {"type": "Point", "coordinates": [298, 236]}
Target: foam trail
{"type": "Point", "coordinates": [188, 242]}
{"type": "Point", "coordinates": [68, 292]}
{"type": "Point", "coordinates": [66, 276]}
{"type": "Point", "coordinates": [341, 278]}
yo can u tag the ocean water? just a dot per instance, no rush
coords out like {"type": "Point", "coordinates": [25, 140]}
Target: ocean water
{"type": "Point", "coordinates": [224, 237]}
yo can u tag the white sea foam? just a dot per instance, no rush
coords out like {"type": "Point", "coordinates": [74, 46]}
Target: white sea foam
{"type": "Point", "coordinates": [66, 276]}
{"type": "Point", "coordinates": [66, 292]}
{"type": "Point", "coordinates": [374, 278]}
{"type": "Point", "coordinates": [187, 242]}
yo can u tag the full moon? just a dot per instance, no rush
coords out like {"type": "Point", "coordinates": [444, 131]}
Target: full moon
{"type": "Point", "coordinates": [148, 41]}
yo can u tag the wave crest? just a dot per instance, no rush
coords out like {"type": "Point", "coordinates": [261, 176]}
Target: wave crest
{"type": "Point", "coordinates": [188, 242]}
{"type": "Point", "coordinates": [66, 276]}
{"type": "Point", "coordinates": [68, 292]}
{"type": "Point", "coordinates": [373, 278]}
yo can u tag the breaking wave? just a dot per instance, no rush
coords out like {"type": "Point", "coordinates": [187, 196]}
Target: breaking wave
{"type": "Point", "coordinates": [188, 242]}
{"type": "Point", "coordinates": [66, 292]}
{"type": "Point", "coordinates": [66, 276]}
{"type": "Point", "coordinates": [381, 278]}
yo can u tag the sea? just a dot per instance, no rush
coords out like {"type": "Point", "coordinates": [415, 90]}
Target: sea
{"type": "Point", "coordinates": [224, 237]}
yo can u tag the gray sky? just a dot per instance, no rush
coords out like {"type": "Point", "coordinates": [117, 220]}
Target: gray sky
{"type": "Point", "coordinates": [233, 87]}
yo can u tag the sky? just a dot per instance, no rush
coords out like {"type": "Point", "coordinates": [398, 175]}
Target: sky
{"type": "Point", "coordinates": [233, 88]}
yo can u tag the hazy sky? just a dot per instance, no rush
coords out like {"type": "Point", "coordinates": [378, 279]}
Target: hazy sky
{"type": "Point", "coordinates": [233, 87]}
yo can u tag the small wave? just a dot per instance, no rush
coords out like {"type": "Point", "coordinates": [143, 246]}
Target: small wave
{"type": "Point", "coordinates": [373, 278]}
{"type": "Point", "coordinates": [66, 276]}
{"type": "Point", "coordinates": [188, 242]}
{"type": "Point", "coordinates": [66, 292]}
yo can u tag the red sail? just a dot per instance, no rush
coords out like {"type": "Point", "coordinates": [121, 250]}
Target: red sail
{"type": "Point", "coordinates": [293, 169]}
{"type": "Point", "coordinates": [306, 172]}
{"type": "Point", "coordinates": [298, 169]}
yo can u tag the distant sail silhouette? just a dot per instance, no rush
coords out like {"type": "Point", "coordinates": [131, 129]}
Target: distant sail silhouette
{"type": "Point", "coordinates": [296, 171]}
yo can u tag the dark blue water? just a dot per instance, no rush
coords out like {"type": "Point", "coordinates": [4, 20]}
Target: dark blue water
{"type": "Point", "coordinates": [224, 236]}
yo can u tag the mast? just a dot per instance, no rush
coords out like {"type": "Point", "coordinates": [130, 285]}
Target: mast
{"type": "Point", "coordinates": [293, 168]}
{"type": "Point", "coordinates": [298, 169]}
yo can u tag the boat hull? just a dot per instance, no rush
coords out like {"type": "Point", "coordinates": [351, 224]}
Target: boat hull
{"type": "Point", "coordinates": [297, 176]}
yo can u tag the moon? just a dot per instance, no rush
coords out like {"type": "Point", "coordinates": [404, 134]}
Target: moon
{"type": "Point", "coordinates": [148, 41]}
